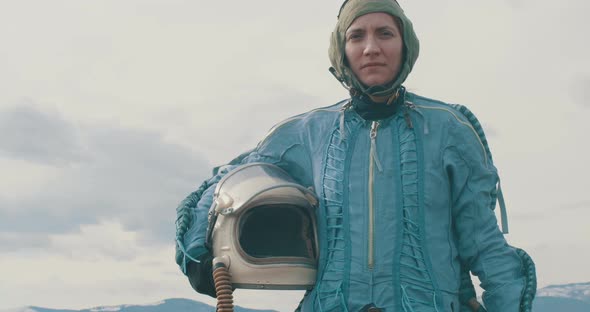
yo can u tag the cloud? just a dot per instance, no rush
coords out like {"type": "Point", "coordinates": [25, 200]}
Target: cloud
{"type": "Point", "coordinates": [95, 267]}
{"type": "Point", "coordinates": [272, 104]}
{"type": "Point", "coordinates": [490, 131]}
{"type": "Point", "coordinates": [517, 4]}
{"type": "Point", "coordinates": [226, 128]}
{"type": "Point", "coordinates": [95, 242]}
{"type": "Point", "coordinates": [580, 90]}
{"type": "Point", "coordinates": [90, 277]}
{"type": "Point", "coordinates": [13, 241]}
{"type": "Point", "coordinates": [108, 172]}
{"type": "Point", "coordinates": [104, 172]}
{"type": "Point", "coordinates": [98, 241]}
{"type": "Point", "coordinates": [38, 136]}
{"type": "Point", "coordinates": [581, 205]}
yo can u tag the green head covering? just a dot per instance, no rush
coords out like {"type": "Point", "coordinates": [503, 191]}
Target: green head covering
{"type": "Point", "coordinates": [351, 9]}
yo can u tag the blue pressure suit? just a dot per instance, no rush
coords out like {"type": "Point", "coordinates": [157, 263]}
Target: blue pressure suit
{"type": "Point", "coordinates": [405, 201]}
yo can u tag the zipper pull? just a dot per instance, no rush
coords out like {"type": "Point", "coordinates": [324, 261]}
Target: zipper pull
{"type": "Point", "coordinates": [374, 155]}
{"type": "Point", "coordinates": [409, 105]}
{"type": "Point", "coordinates": [346, 105]}
{"type": "Point", "coordinates": [408, 120]}
{"type": "Point", "coordinates": [342, 111]}
{"type": "Point", "coordinates": [413, 107]}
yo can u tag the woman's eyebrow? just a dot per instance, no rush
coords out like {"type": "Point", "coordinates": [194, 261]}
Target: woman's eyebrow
{"type": "Point", "coordinates": [355, 30]}
{"type": "Point", "coordinates": [386, 27]}
{"type": "Point", "coordinates": [360, 29]}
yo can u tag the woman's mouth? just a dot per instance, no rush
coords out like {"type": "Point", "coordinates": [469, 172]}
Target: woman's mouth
{"type": "Point", "coordinates": [372, 64]}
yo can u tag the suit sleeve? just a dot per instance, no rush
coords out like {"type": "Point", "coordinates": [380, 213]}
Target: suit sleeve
{"type": "Point", "coordinates": [482, 246]}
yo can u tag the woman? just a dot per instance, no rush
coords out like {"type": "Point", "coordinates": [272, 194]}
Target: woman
{"type": "Point", "coordinates": [406, 185]}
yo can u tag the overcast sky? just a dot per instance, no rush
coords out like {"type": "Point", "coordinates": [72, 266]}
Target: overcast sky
{"type": "Point", "coordinates": [112, 111]}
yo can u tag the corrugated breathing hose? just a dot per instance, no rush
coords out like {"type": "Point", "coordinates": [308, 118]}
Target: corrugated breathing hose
{"type": "Point", "coordinates": [223, 288]}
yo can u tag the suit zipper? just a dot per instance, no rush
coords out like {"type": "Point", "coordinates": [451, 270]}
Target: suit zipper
{"type": "Point", "coordinates": [373, 160]}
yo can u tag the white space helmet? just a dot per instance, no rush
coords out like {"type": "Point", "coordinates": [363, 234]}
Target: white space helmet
{"type": "Point", "coordinates": [264, 229]}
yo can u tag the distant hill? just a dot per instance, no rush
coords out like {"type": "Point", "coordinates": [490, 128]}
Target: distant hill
{"type": "Point", "coordinates": [561, 298]}
{"type": "Point", "coordinates": [168, 305]}
{"type": "Point", "coordinates": [578, 291]}
{"type": "Point", "coordinates": [556, 304]}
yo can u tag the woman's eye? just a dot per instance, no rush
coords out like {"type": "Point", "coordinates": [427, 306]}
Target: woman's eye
{"type": "Point", "coordinates": [387, 33]}
{"type": "Point", "coordinates": [355, 36]}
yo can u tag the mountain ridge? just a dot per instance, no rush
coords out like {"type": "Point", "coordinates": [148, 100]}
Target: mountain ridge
{"type": "Point", "coordinates": [578, 291]}
{"type": "Point", "coordinates": [572, 297]}
{"type": "Point", "coordinates": [166, 305]}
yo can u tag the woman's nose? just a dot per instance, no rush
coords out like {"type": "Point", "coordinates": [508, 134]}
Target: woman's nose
{"type": "Point", "coordinates": [371, 46]}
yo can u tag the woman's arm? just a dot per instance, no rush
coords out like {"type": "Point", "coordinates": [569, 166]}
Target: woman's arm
{"type": "Point", "coordinates": [284, 148]}
{"type": "Point", "coordinates": [482, 246]}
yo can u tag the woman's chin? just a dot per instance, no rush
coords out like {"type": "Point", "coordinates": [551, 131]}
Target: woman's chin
{"type": "Point", "coordinates": [375, 81]}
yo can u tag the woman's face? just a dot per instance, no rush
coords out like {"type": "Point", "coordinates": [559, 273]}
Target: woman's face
{"type": "Point", "coordinates": [374, 48]}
